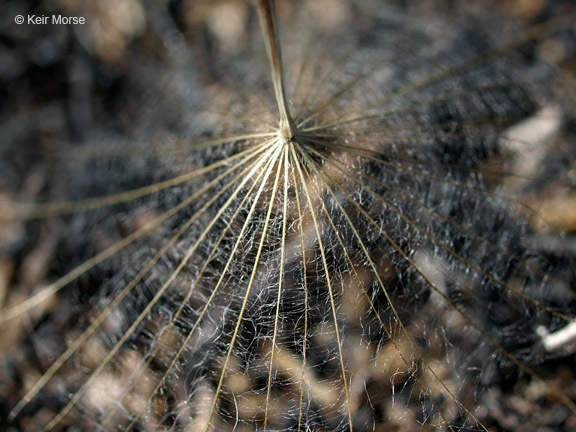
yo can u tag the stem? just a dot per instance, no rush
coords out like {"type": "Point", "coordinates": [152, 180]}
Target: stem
{"type": "Point", "coordinates": [267, 13]}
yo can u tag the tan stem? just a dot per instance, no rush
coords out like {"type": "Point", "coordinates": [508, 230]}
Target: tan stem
{"type": "Point", "coordinates": [267, 13]}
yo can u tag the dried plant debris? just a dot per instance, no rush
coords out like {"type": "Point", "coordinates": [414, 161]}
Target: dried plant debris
{"type": "Point", "coordinates": [358, 219]}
